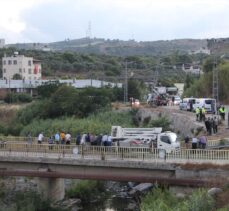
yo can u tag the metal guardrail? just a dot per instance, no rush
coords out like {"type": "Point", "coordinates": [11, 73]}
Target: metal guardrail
{"type": "Point", "coordinates": [113, 153]}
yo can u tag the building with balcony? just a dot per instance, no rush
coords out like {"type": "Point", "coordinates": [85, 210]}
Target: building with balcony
{"type": "Point", "coordinates": [21, 67]}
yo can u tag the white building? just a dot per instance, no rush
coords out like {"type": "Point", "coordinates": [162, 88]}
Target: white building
{"type": "Point", "coordinates": [2, 43]}
{"type": "Point", "coordinates": [201, 50]}
{"type": "Point", "coordinates": [21, 67]}
{"type": "Point", "coordinates": [190, 68]}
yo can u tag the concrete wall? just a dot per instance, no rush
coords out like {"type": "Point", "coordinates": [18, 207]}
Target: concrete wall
{"type": "Point", "coordinates": [181, 123]}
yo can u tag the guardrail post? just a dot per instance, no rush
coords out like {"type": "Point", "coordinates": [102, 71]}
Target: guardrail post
{"type": "Point", "coordinates": [82, 151]}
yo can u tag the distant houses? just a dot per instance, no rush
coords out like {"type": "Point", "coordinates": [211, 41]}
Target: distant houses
{"type": "Point", "coordinates": [20, 67]}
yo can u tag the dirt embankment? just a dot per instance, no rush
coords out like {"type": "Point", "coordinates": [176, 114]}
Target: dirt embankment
{"type": "Point", "coordinates": [8, 112]}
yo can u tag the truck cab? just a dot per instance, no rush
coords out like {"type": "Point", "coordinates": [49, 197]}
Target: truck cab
{"type": "Point", "coordinates": [168, 141]}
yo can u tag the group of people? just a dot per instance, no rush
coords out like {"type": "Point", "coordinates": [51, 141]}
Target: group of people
{"type": "Point", "coordinates": [198, 142]}
{"type": "Point", "coordinates": [200, 114]}
{"type": "Point", "coordinates": [211, 125]}
{"type": "Point", "coordinates": [66, 138]}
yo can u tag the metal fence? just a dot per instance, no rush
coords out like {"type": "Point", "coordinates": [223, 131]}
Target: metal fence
{"type": "Point", "coordinates": [113, 153]}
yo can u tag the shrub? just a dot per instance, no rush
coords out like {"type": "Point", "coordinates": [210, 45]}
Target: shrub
{"type": "Point", "coordinates": [86, 190]}
{"type": "Point", "coordinates": [161, 122]}
{"type": "Point", "coordinates": [18, 97]}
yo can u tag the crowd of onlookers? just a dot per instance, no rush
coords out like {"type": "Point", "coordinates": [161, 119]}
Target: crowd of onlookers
{"type": "Point", "coordinates": [66, 139]}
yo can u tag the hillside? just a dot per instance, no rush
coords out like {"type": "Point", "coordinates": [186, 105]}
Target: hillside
{"type": "Point", "coordinates": [118, 47]}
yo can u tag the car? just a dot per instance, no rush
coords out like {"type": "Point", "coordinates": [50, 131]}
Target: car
{"type": "Point", "coordinates": [177, 100]}
{"type": "Point", "coordinates": [187, 104]}
{"type": "Point", "coordinates": [135, 103]}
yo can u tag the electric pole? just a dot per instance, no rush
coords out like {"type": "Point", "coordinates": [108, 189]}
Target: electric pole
{"type": "Point", "coordinates": [126, 84]}
{"type": "Point", "coordinates": [215, 77]}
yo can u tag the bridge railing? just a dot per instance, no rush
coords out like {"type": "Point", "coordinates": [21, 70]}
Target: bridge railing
{"type": "Point", "coordinates": [112, 153]}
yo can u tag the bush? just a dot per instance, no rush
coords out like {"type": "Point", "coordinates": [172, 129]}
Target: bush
{"type": "Point", "coordinates": [160, 200]}
{"type": "Point", "coordinates": [161, 122]}
{"type": "Point", "coordinates": [95, 123]}
{"type": "Point", "coordinates": [86, 190]}
{"type": "Point", "coordinates": [18, 98]}
{"type": "Point", "coordinates": [24, 98]}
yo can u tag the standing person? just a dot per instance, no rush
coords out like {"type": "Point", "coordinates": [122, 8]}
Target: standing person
{"type": "Point", "coordinates": [29, 138]}
{"type": "Point", "coordinates": [222, 112]}
{"type": "Point", "coordinates": [208, 125]}
{"type": "Point", "coordinates": [88, 138]}
{"type": "Point", "coordinates": [50, 142]}
{"type": "Point", "coordinates": [203, 141]}
{"type": "Point", "coordinates": [104, 139]}
{"type": "Point", "coordinates": [186, 141]}
{"type": "Point", "coordinates": [194, 143]}
{"type": "Point", "coordinates": [197, 111]}
{"type": "Point", "coordinates": [200, 114]}
{"type": "Point", "coordinates": [62, 137]}
{"type": "Point", "coordinates": [78, 139]}
{"type": "Point", "coordinates": [173, 99]}
{"type": "Point", "coordinates": [109, 140]}
{"type": "Point", "coordinates": [57, 138]}
{"type": "Point", "coordinates": [215, 125]}
{"type": "Point", "coordinates": [40, 138]}
{"type": "Point", "coordinates": [203, 113]}
{"type": "Point", "coordinates": [68, 138]}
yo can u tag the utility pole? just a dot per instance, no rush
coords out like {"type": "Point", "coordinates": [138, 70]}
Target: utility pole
{"type": "Point", "coordinates": [215, 83]}
{"type": "Point", "coordinates": [126, 84]}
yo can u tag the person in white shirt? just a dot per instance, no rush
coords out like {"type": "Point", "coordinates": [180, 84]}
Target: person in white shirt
{"type": "Point", "coordinates": [104, 140]}
{"type": "Point", "coordinates": [68, 138]}
{"type": "Point", "coordinates": [194, 143]}
{"type": "Point", "coordinates": [40, 138]}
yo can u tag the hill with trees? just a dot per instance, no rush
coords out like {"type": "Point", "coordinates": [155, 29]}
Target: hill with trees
{"type": "Point", "coordinates": [118, 47]}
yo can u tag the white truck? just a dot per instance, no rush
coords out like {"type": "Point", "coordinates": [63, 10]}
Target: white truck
{"type": "Point", "coordinates": [145, 137]}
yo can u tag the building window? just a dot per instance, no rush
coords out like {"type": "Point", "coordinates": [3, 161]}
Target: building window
{"type": "Point", "coordinates": [9, 62]}
{"type": "Point", "coordinates": [29, 63]}
{"type": "Point", "coordinates": [29, 71]}
{"type": "Point", "coordinates": [20, 70]}
{"type": "Point", "coordinates": [4, 62]}
{"type": "Point", "coordinates": [4, 70]}
{"type": "Point", "coordinates": [24, 70]}
{"type": "Point", "coordinates": [15, 62]}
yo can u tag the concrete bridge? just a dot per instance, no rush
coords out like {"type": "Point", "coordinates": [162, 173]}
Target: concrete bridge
{"type": "Point", "coordinates": [52, 163]}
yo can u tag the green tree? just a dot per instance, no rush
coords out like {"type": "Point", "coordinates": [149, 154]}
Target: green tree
{"type": "Point", "coordinates": [17, 77]}
{"type": "Point", "coordinates": [48, 88]}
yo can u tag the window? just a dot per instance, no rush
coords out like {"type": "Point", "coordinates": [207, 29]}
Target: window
{"type": "Point", "coordinates": [4, 70]}
{"type": "Point", "coordinates": [29, 63]}
{"type": "Point", "coordinates": [165, 139]}
{"type": "Point", "coordinates": [9, 62]}
{"type": "Point", "coordinates": [4, 62]}
{"type": "Point", "coordinates": [20, 70]}
{"type": "Point", "coordinates": [15, 62]}
{"type": "Point", "coordinates": [29, 71]}
{"type": "Point", "coordinates": [24, 70]}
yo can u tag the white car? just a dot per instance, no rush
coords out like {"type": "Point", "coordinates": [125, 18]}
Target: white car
{"type": "Point", "coordinates": [177, 100]}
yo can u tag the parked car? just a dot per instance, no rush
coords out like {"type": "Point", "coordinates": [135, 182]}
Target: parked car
{"type": "Point", "coordinates": [177, 100]}
{"type": "Point", "coordinates": [187, 104]}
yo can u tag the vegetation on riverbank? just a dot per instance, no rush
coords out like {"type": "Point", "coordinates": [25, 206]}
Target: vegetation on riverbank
{"type": "Point", "coordinates": [163, 200]}
{"type": "Point", "coordinates": [86, 190]}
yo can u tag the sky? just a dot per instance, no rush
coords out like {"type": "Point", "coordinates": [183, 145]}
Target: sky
{"type": "Point", "coordinates": [142, 20]}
